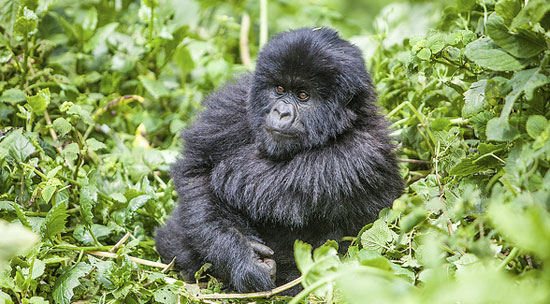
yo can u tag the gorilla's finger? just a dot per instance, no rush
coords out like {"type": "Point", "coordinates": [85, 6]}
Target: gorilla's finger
{"type": "Point", "coordinates": [261, 249]}
{"type": "Point", "coordinates": [271, 266]}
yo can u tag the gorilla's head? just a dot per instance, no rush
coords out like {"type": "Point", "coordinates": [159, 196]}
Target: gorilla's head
{"type": "Point", "coordinates": [308, 87]}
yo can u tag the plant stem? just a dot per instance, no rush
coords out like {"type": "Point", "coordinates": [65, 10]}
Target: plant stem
{"type": "Point", "coordinates": [509, 258]}
{"type": "Point", "coordinates": [263, 22]}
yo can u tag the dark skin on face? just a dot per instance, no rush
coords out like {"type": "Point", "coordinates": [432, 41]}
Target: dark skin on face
{"type": "Point", "coordinates": [283, 121]}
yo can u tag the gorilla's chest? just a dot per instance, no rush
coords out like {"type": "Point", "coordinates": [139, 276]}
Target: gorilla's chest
{"type": "Point", "coordinates": [291, 193]}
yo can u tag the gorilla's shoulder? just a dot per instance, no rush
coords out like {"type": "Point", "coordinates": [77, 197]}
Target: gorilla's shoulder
{"type": "Point", "coordinates": [223, 125]}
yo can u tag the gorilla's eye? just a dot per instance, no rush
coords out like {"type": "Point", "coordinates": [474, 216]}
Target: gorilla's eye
{"type": "Point", "coordinates": [280, 89]}
{"type": "Point", "coordinates": [303, 95]}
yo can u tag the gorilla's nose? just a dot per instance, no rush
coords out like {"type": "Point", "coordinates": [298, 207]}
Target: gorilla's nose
{"type": "Point", "coordinates": [282, 116]}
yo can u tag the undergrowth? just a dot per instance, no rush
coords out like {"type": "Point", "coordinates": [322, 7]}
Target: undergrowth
{"type": "Point", "coordinates": [93, 96]}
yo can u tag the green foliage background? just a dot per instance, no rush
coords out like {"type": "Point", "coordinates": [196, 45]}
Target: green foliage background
{"type": "Point", "coordinates": [93, 95]}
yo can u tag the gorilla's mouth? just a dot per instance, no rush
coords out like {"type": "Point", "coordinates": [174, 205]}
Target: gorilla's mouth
{"type": "Point", "coordinates": [278, 134]}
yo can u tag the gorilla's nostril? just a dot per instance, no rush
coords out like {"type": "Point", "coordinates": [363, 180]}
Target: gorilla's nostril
{"type": "Point", "coordinates": [284, 114]}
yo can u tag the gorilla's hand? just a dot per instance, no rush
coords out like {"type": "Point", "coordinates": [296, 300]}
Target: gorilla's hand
{"type": "Point", "coordinates": [257, 270]}
{"type": "Point", "coordinates": [264, 253]}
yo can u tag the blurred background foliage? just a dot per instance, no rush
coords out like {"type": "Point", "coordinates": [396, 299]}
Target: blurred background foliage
{"type": "Point", "coordinates": [94, 94]}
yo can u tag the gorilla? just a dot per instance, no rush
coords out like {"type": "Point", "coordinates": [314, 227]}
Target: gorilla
{"type": "Point", "coordinates": [294, 151]}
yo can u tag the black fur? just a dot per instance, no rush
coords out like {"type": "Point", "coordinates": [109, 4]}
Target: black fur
{"type": "Point", "coordinates": [239, 187]}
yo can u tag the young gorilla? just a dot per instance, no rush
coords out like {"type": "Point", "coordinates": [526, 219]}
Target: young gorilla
{"type": "Point", "coordinates": [294, 151]}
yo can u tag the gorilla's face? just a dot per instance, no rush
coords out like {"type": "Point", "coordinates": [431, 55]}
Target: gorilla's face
{"type": "Point", "coordinates": [304, 88]}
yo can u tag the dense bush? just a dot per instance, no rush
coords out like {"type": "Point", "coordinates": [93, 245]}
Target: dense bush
{"type": "Point", "coordinates": [93, 95]}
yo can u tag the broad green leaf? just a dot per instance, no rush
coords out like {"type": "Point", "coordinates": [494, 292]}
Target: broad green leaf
{"type": "Point", "coordinates": [528, 227]}
{"type": "Point", "coordinates": [523, 44]}
{"type": "Point", "coordinates": [17, 146]}
{"type": "Point", "coordinates": [26, 24]}
{"type": "Point", "coordinates": [48, 192]}
{"type": "Point", "coordinates": [82, 112]}
{"type": "Point", "coordinates": [37, 269]}
{"type": "Point", "coordinates": [412, 219]}
{"type": "Point", "coordinates": [63, 288]}
{"type": "Point", "coordinates": [377, 237]}
{"type": "Point", "coordinates": [508, 9]}
{"type": "Point", "coordinates": [474, 99]}
{"type": "Point", "coordinates": [489, 55]}
{"type": "Point", "coordinates": [8, 13]}
{"type": "Point", "coordinates": [94, 144]}
{"type": "Point", "coordinates": [88, 199]}
{"type": "Point", "coordinates": [373, 259]}
{"type": "Point", "coordinates": [500, 130]}
{"type": "Point", "coordinates": [166, 295]}
{"type": "Point", "coordinates": [61, 126]}
{"type": "Point", "coordinates": [40, 101]}
{"type": "Point", "coordinates": [55, 221]}
{"type": "Point", "coordinates": [523, 81]}
{"type": "Point", "coordinates": [302, 255]}
{"type": "Point", "coordinates": [424, 54]}
{"type": "Point", "coordinates": [536, 124]}
{"type": "Point", "coordinates": [84, 236]}
{"type": "Point", "coordinates": [13, 96]}
{"type": "Point", "coordinates": [155, 87]}
{"type": "Point", "coordinates": [5, 298]}
{"type": "Point", "coordinates": [532, 13]}
{"type": "Point", "coordinates": [435, 42]}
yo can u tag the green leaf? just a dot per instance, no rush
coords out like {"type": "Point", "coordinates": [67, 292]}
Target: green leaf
{"type": "Point", "coordinates": [5, 298]}
{"type": "Point", "coordinates": [67, 281]}
{"type": "Point", "coordinates": [62, 126]}
{"type": "Point", "coordinates": [84, 236]}
{"type": "Point", "coordinates": [48, 192]}
{"type": "Point", "coordinates": [377, 237]}
{"type": "Point", "coordinates": [88, 199]}
{"type": "Point", "coordinates": [523, 44]}
{"type": "Point", "coordinates": [527, 227]}
{"type": "Point", "coordinates": [523, 81]}
{"type": "Point", "coordinates": [424, 54]}
{"type": "Point", "coordinates": [8, 13]}
{"type": "Point", "coordinates": [500, 130]}
{"type": "Point", "coordinates": [40, 101]}
{"type": "Point", "coordinates": [373, 259]}
{"type": "Point", "coordinates": [474, 99]}
{"type": "Point", "coordinates": [26, 23]}
{"type": "Point", "coordinates": [94, 144]}
{"type": "Point", "coordinates": [15, 240]}
{"type": "Point", "coordinates": [55, 220]}
{"type": "Point", "coordinates": [302, 255]}
{"type": "Point", "coordinates": [13, 96]}
{"type": "Point", "coordinates": [155, 87]}
{"type": "Point", "coordinates": [166, 295]}
{"type": "Point", "coordinates": [17, 146]}
{"type": "Point", "coordinates": [531, 13]}
{"type": "Point", "coordinates": [536, 124]}
{"type": "Point", "coordinates": [435, 42]}
{"type": "Point", "coordinates": [489, 55]}
{"type": "Point", "coordinates": [508, 9]}
{"type": "Point", "coordinates": [409, 221]}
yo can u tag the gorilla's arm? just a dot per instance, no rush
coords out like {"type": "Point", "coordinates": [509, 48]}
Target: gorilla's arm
{"type": "Point", "coordinates": [202, 229]}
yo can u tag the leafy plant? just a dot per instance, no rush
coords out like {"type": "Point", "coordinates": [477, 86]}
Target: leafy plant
{"type": "Point", "coordinates": [94, 94]}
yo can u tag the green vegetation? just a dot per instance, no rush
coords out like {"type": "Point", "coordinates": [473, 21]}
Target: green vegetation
{"type": "Point", "coordinates": [93, 95]}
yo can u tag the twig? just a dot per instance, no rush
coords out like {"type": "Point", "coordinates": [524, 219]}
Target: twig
{"type": "Point", "coordinates": [169, 266]}
{"type": "Point", "coordinates": [243, 40]}
{"type": "Point", "coordinates": [262, 294]}
{"type": "Point", "coordinates": [414, 161]}
{"type": "Point", "coordinates": [52, 131]}
{"type": "Point", "coordinates": [122, 241]}
{"type": "Point", "coordinates": [509, 258]}
{"type": "Point", "coordinates": [133, 259]}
